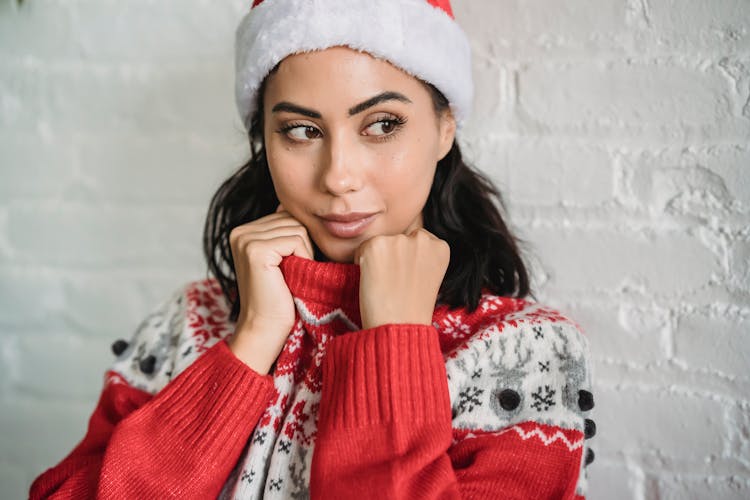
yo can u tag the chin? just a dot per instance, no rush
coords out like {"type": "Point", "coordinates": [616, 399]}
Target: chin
{"type": "Point", "coordinates": [341, 255]}
{"type": "Point", "coordinates": [335, 253]}
{"type": "Point", "coordinates": [342, 252]}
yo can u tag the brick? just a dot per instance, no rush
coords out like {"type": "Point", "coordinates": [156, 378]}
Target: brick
{"type": "Point", "coordinates": [15, 480]}
{"type": "Point", "coordinates": [682, 427]}
{"type": "Point", "coordinates": [156, 170]}
{"type": "Point", "coordinates": [618, 95]}
{"type": "Point", "coordinates": [597, 259]}
{"type": "Point", "coordinates": [36, 29]}
{"type": "Point", "coordinates": [739, 264]}
{"type": "Point", "coordinates": [5, 250]}
{"type": "Point", "coordinates": [99, 304]}
{"type": "Point", "coordinates": [125, 31]}
{"type": "Point", "coordinates": [24, 98]}
{"type": "Point", "coordinates": [613, 481]}
{"type": "Point", "coordinates": [9, 360]}
{"type": "Point", "coordinates": [96, 236]}
{"type": "Point", "coordinates": [109, 305]}
{"type": "Point", "coordinates": [719, 343]}
{"type": "Point", "coordinates": [34, 166]}
{"type": "Point", "coordinates": [700, 487]}
{"type": "Point", "coordinates": [550, 173]}
{"type": "Point", "coordinates": [686, 24]}
{"type": "Point", "coordinates": [489, 154]}
{"type": "Point", "coordinates": [62, 366]}
{"type": "Point", "coordinates": [132, 99]}
{"type": "Point", "coordinates": [738, 423]}
{"type": "Point", "coordinates": [623, 332]}
{"type": "Point", "coordinates": [38, 434]}
{"type": "Point", "coordinates": [698, 180]}
{"type": "Point", "coordinates": [527, 28]}
{"type": "Point", "coordinates": [492, 98]}
{"type": "Point", "coordinates": [165, 31]}
{"type": "Point", "coordinates": [31, 297]}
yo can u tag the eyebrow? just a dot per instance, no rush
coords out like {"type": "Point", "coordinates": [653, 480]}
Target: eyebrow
{"type": "Point", "coordinates": [382, 97]}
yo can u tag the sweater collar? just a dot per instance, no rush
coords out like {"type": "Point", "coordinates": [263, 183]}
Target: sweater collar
{"type": "Point", "coordinates": [333, 284]}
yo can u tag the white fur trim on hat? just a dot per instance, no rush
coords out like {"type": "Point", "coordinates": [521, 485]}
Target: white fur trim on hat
{"type": "Point", "coordinates": [415, 36]}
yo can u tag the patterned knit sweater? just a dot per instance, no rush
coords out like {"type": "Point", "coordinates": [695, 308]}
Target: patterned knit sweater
{"type": "Point", "coordinates": [488, 404]}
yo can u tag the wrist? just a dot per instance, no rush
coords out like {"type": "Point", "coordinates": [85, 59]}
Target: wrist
{"type": "Point", "coordinates": [253, 350]}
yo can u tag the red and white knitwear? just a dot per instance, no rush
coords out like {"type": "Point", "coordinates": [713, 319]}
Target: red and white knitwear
{"type": "Point", "coordinates": [489, 404]}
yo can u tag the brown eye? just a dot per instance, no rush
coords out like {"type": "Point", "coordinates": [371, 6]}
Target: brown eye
{"type": "Point", "coordinates": [383, 127]}
{"type": "Point", "coordinates": [302, 132]}
{"type": "Point", "coordinates": [387, 127]}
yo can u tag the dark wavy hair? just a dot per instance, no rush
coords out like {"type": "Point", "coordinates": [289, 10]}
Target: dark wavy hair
{"type": "Point", "coordinates": [460, 209]}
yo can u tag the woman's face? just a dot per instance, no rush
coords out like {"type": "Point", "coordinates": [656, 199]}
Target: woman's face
{"type": "Point", "coordinates": [346, 132]}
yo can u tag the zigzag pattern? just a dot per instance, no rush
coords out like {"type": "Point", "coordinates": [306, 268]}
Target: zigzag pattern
{"type": "Point", "coordinates": [547, 440]}
{"type": "Point", "coordinates": [311, 319]}
{"type": "Point", "coordinates": [536, 431]}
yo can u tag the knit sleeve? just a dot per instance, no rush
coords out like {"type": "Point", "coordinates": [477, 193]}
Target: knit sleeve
{"type": "Point", "coordinates": [156, 433]}
{"type": "Point", "coordinates": [397, 421]}
{"type": "Point", "coordinates": [521, 402]}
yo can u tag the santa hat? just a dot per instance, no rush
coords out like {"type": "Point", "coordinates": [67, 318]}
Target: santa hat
{"type": "Point", "coordinates": [419, 36]}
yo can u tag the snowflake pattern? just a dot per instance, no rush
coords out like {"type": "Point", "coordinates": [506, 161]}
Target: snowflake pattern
{"type": "Point", "coordinates": [286, 431]}
{"type": "Point", "coordinates": [275, 484]}
{"type": "Point", "coordinates": [284, 446]}
{"type": "Point", "coordinates": [469, 398]}
{"type": "Point", "coordinates": [543, 399]}
{"type": "Point", "coordinates": [260, 437]}
{"type": "Point", "coordinates": [453, 326]}
{"type": "Point", "coordinates": [248, 476]}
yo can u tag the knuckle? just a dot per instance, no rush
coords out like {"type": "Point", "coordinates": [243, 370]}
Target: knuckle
{"type": "Point", "coordinates": [233, 234]}
{"type": "Point", "coordinates": [249, 246]}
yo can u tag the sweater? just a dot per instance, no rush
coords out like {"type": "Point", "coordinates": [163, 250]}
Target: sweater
{"type": "Point", "coordinates": [493, 403]}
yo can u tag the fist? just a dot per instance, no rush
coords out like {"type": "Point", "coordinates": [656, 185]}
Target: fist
{"type": "Point", "coordinates": [400, 276]}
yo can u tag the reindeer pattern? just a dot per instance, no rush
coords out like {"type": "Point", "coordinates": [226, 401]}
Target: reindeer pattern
{"type": "Point", "coordinates": [149, 359]}
{"type": "Point", "coordinates": [530, 368]}
{"type": "Point", "coordinates": [531, 372]}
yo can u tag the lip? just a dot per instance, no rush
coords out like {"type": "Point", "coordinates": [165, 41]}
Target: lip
{"type": "Point", "coordinates": [349, 225]}
{"type": "Point", "coordinates": [351, 216]}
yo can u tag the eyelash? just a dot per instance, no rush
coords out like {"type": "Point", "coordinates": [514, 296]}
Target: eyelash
{"type": "Point", "coordinates": [398, 121]}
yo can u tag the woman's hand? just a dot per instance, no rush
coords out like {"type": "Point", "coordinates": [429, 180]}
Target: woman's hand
{"type": "Point", "coordinates": [400, 277]}
{"type": "Point", "coordinates": [266, 307]}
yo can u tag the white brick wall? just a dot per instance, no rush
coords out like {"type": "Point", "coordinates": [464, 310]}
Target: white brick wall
{"type": "Point", "coordinates": [618, 130]}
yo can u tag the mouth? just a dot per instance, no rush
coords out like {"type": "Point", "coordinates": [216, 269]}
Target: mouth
{"type": "Point", "coordinates": [349, 225]}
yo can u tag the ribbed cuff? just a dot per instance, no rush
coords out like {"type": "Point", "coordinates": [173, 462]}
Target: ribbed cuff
{"type": "Point", "coordinates": [213, 406]}
{"type": "Point", "coordinates": [392, 372]}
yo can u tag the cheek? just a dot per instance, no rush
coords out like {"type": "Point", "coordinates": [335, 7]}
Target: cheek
{"type": "Point", "coordinates": [408, 168]}
{"type": "Point", "coordinates": [405, 178]}
{"type": "Point", "coordinates": [288, 176]}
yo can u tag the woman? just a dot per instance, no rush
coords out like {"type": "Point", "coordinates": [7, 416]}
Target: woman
{"type": "Point", "coordinates": [364, 334]}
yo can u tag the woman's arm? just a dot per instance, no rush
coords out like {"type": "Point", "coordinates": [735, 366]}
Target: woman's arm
{"type": "Point", "coordinates": [181, 442]}
{"type": "Point", "coordinates": [385, 430]}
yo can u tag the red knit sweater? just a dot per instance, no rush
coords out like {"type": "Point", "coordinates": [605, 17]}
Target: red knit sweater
{"type": "Point", "coordinates": [487, 404]}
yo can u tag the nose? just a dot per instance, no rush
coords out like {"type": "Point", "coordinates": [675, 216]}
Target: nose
{"type": "Point", "coordinates": [340, 172]}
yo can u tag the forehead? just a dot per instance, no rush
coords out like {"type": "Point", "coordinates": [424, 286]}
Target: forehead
{"type": "Point", "coordinates": [340, 74]}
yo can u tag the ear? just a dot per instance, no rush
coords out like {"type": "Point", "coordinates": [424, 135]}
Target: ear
{"type": "Point", "coordinates": [447, 130]}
